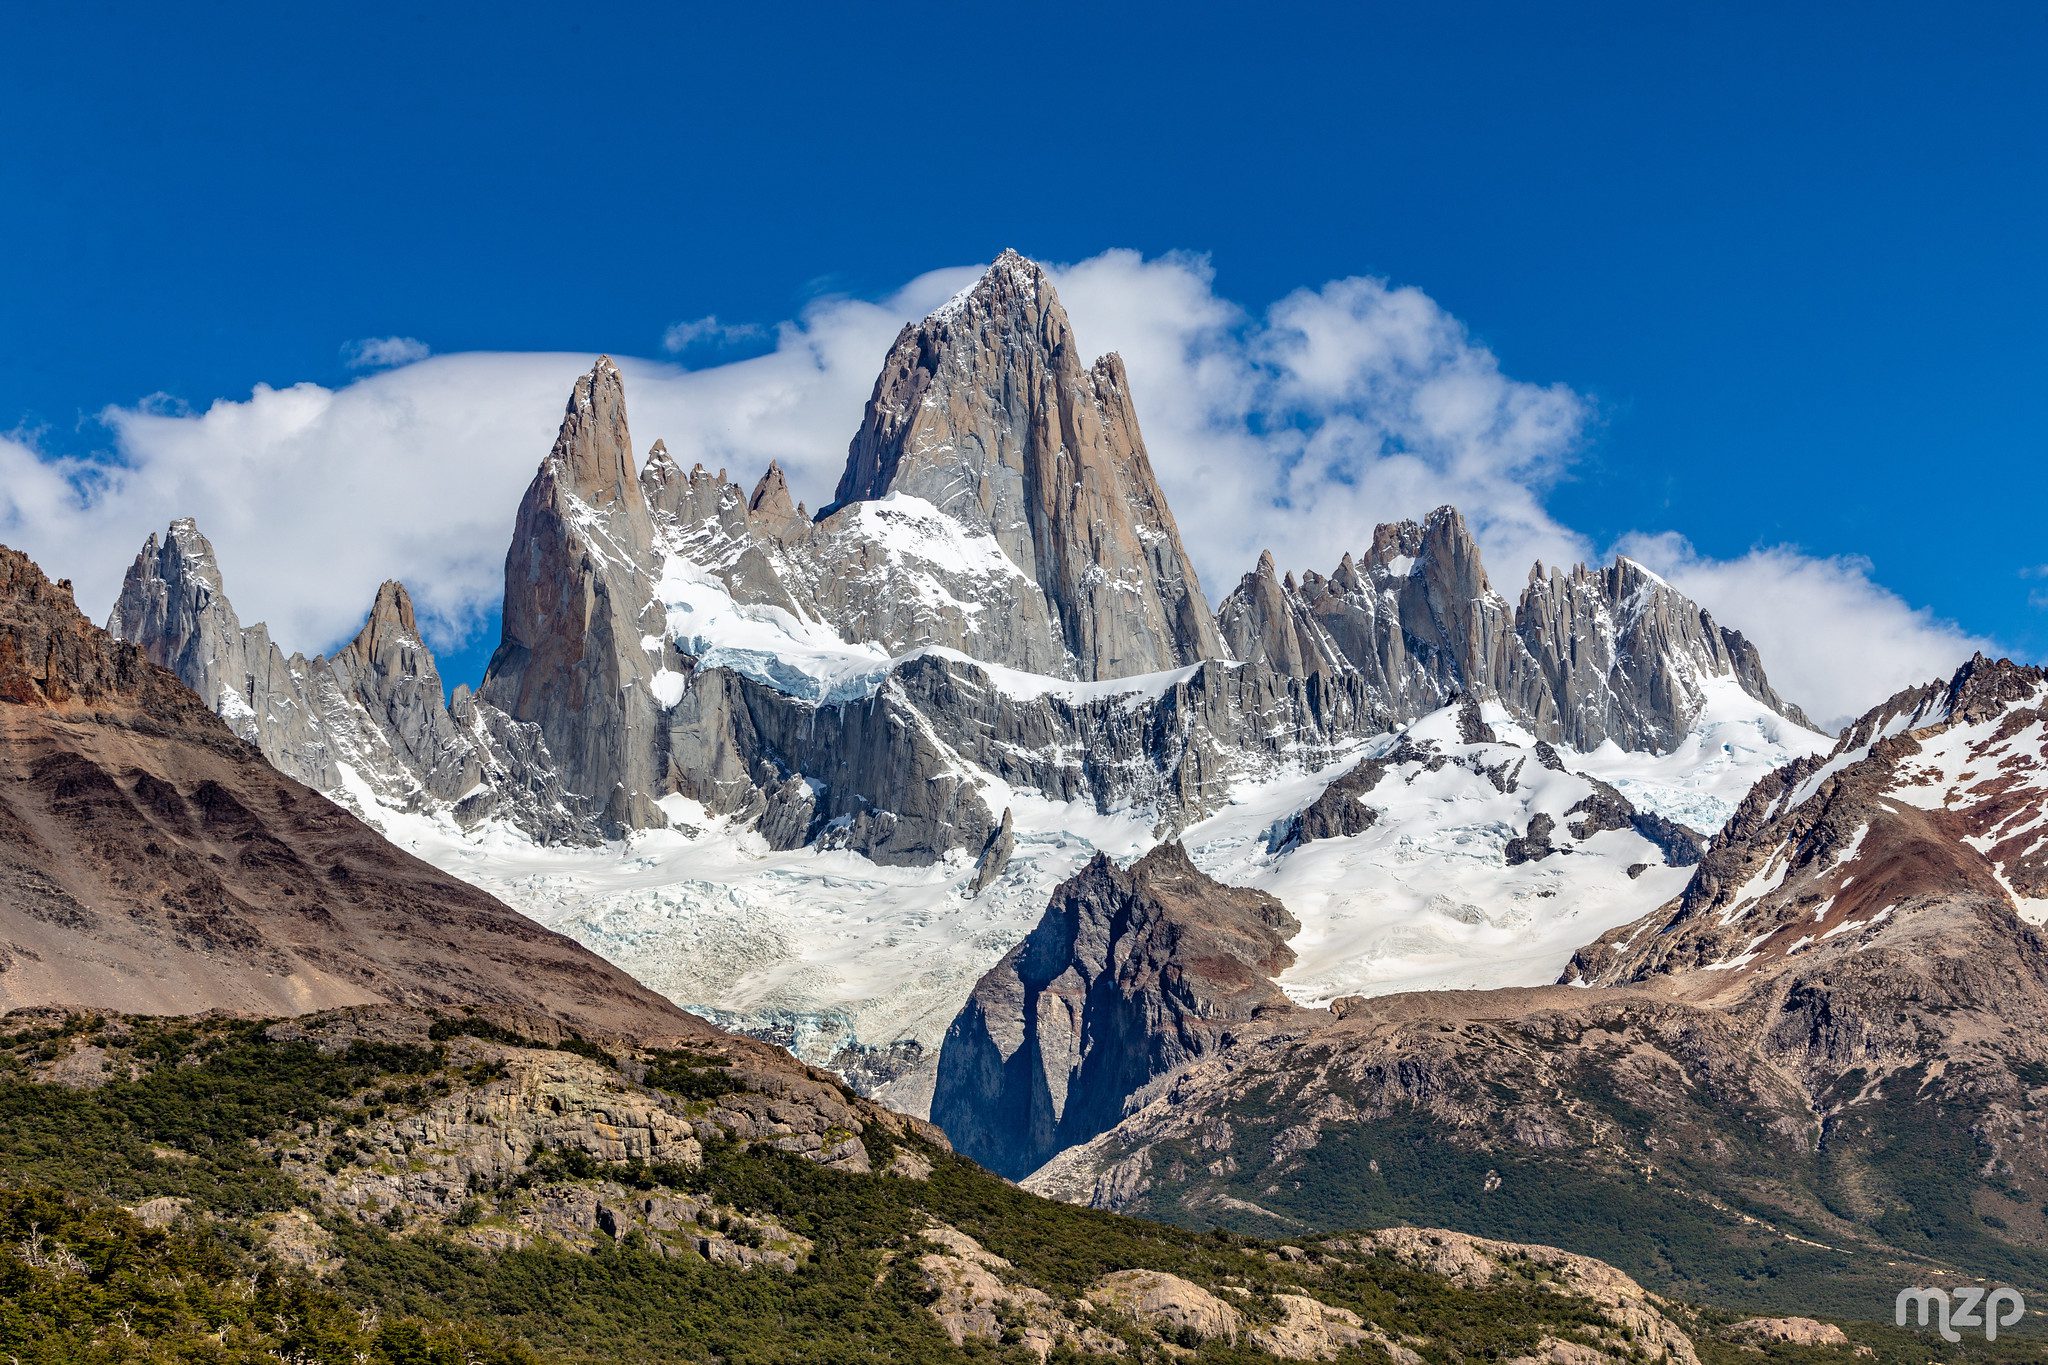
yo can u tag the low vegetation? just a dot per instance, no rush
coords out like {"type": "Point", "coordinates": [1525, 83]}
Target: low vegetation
{"type": "Point", "coordinates": [143, 1166]}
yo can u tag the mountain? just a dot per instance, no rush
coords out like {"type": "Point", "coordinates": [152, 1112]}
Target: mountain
{"type": "Point", "coordinates": [1812, 1075]}
{"type": "Point", "coordinates": [1583, 658]}
{"type": "Point", "coordinates": [1937, 796]}
{"type": "Point", "coordinates": [1132, 973]}
{"type": "Point", "coordinates": [985, 411]}
{"type": "Point", "coordinates": [756, 755]}
{"type": "Point", "coordinates": [579, 601]}
{"type": "Point", "coordinates": [155, 862]}
{"type": "Point", "coordinates": [368, 727]}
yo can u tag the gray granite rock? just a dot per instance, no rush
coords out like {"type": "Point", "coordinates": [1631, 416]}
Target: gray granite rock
{"type": "Point", "coordinates": [579, 600]}
{"type": "Point", "coordinates": [1586, 657]}
{"type": "Point", "coordinates": [368, 721]}
{"type": "Point", "coordinates": [1130, 974]}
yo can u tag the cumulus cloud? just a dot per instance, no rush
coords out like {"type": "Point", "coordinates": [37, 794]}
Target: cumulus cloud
{"type": "Point", "coordinates": [1300, 429]}
{"type": "Point", "coordinates": [707, 330]}
{"type": "Point", "coordinates": [313, 496]}
{"type": "Point", "coordinates": [383, 353]}
{"type": "Point", "coordinates": [1833, 639]}
{"type": "Point", "coordinates": [1296, 428]}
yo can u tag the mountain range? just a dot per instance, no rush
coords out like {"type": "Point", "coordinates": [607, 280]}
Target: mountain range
{"type": "Point", "coordinates": [1369, 896]}
{"type": "Point", "coordinates": [272, 1089]}
{"type": "Point", "coordinates": [987, 660]}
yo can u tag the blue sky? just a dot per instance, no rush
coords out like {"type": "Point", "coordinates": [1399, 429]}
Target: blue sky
{"type": "Point", "coordinates": [1790, 258]}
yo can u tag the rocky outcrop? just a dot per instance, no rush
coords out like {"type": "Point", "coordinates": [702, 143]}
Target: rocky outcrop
{"type": "Point", "coordinates": [1130, 974]}
{"type": "Point", "coordinates": [986, 411]}
{"type": "Point", "coordinates": [579, 600]}
{"type": "Point", "coordinates": [1583, 658]}
{"type": "Point", "coordinates": [976, 1296]}
{"type": "Point", "coordinates": [154, 862]}
{"type": "Point", "coordinates": [1767, 1332]}
{"type": "Point", "coordinates": [1338, 813]}
{"type": "Point", "coordinates": [367, 727]}
{"type": "Point", "coordinates": [1632, 1319]}
{"type": "Point", "coordinates": [1847, 964]}
{"type": "Point", "coordinates": [1929, 798]}
{"type": "Point", "coordinates": [1176, 1308]}
{"type": "Point", "coordinates": [995, 856]}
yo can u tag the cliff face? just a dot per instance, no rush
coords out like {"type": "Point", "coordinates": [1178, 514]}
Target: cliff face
{"type": "Point", "coordinates": [1131, 974]}
{"type": "Point", "coordinates": [1582, 658]}
{"type": "Point", "coordinates": [986, 411]}
{"type": "Point", "coordinates": [579, 600]}
{"type": "Point", "coordinates": [156, 863]}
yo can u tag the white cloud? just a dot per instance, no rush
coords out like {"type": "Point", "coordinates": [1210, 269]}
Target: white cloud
{"type": "Point", "coordinates": [1339, 408]}
{"type": "Point", "coordinates": [1833, 639]}
{"type": "Point", "coordinates": [383, 353]}
{"type": "Point", "coordinates": [1296, 429]}
{"type": "Point", "coordinates": [682, 336]}
{"type": "Point", "coordinates": [313, 496]}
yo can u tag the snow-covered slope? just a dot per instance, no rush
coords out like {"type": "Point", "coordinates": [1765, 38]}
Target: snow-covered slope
{"type": "Point", "coordinates": [1428, 898]}
{"type": "Point", "coordinates": [841, 761]}
{"type": "Point", "coordinates": [1938, 797]}
{"type": "Point", "coordinates": [851, 964]}
{"type": "Point", "coordinates": [861, 967]}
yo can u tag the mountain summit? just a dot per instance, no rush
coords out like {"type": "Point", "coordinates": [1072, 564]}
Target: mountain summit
{"type": "Point", "coordinates": [579, 597]}
{"type": "Point", "coordinates": [986, 410]}
{"type": "Point", "coordinates": [986, 661]}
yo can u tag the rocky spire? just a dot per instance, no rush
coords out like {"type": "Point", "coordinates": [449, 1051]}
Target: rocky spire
{"type": "Point", "coordinates": [390, 637]}
{"type": "Point", "coordinates": [579, 598]}
{"type": "Point", "coordinates": [1582, 658]}
{"type": "Point", "coordinates": [1266, 622]}
{"type": "Point", "coordinates": [389, 672]}
{"type": "Point", "coordinates": [769, 510]}
{"type": "Point", "coordinates": [594, 450]}
{"type": "Point", "coordinates": [368, 726]}
{"type": "Point", "coordinates": [173, 606]}
{"type": "Point", "coordinates": [661, 478]}
{"type": "Point", "coordinates": [986, 410]}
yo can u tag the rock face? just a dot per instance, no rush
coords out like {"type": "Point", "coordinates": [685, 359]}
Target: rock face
{"type": "Point", "coordinates": [997, 501]}
{"type": "Point", "coordinates": [155, 863]}
{"type": "Point", "coordinates": [995, 855]}
{"type": "Point", "coordinates": [1734, 1079]}
{"type": "Point", "coordinates": [579, 600]}
{"type": "Point", "coordinates": [367, 727]}
{"type": "Point", "coordinates": [1931, 798]}
{"type": "Point", "coordinates": [986, 411]}
{"type": "Point", "coordinates": [1594, 655]}
{"type": "Point", "coordinates": [852, 680]}
{"type": "Point", "coordinates": [1130, 974]}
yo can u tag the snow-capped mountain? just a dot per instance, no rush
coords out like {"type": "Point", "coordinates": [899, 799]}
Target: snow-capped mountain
{"type": "Point", "coordinates": [1820, 1064]}
{"type": "Point", "coordinates": [369, 726]}
{"type": "Point", "coordinates": [816, 774]}
{"type": "Point", "coordinates": [1938, 796]}
{"type": "Point", "coordinates": [1458, 853]}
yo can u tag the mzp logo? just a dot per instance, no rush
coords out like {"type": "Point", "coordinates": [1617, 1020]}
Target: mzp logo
{"type": "Point", "coordinates": [1948, 1309]}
